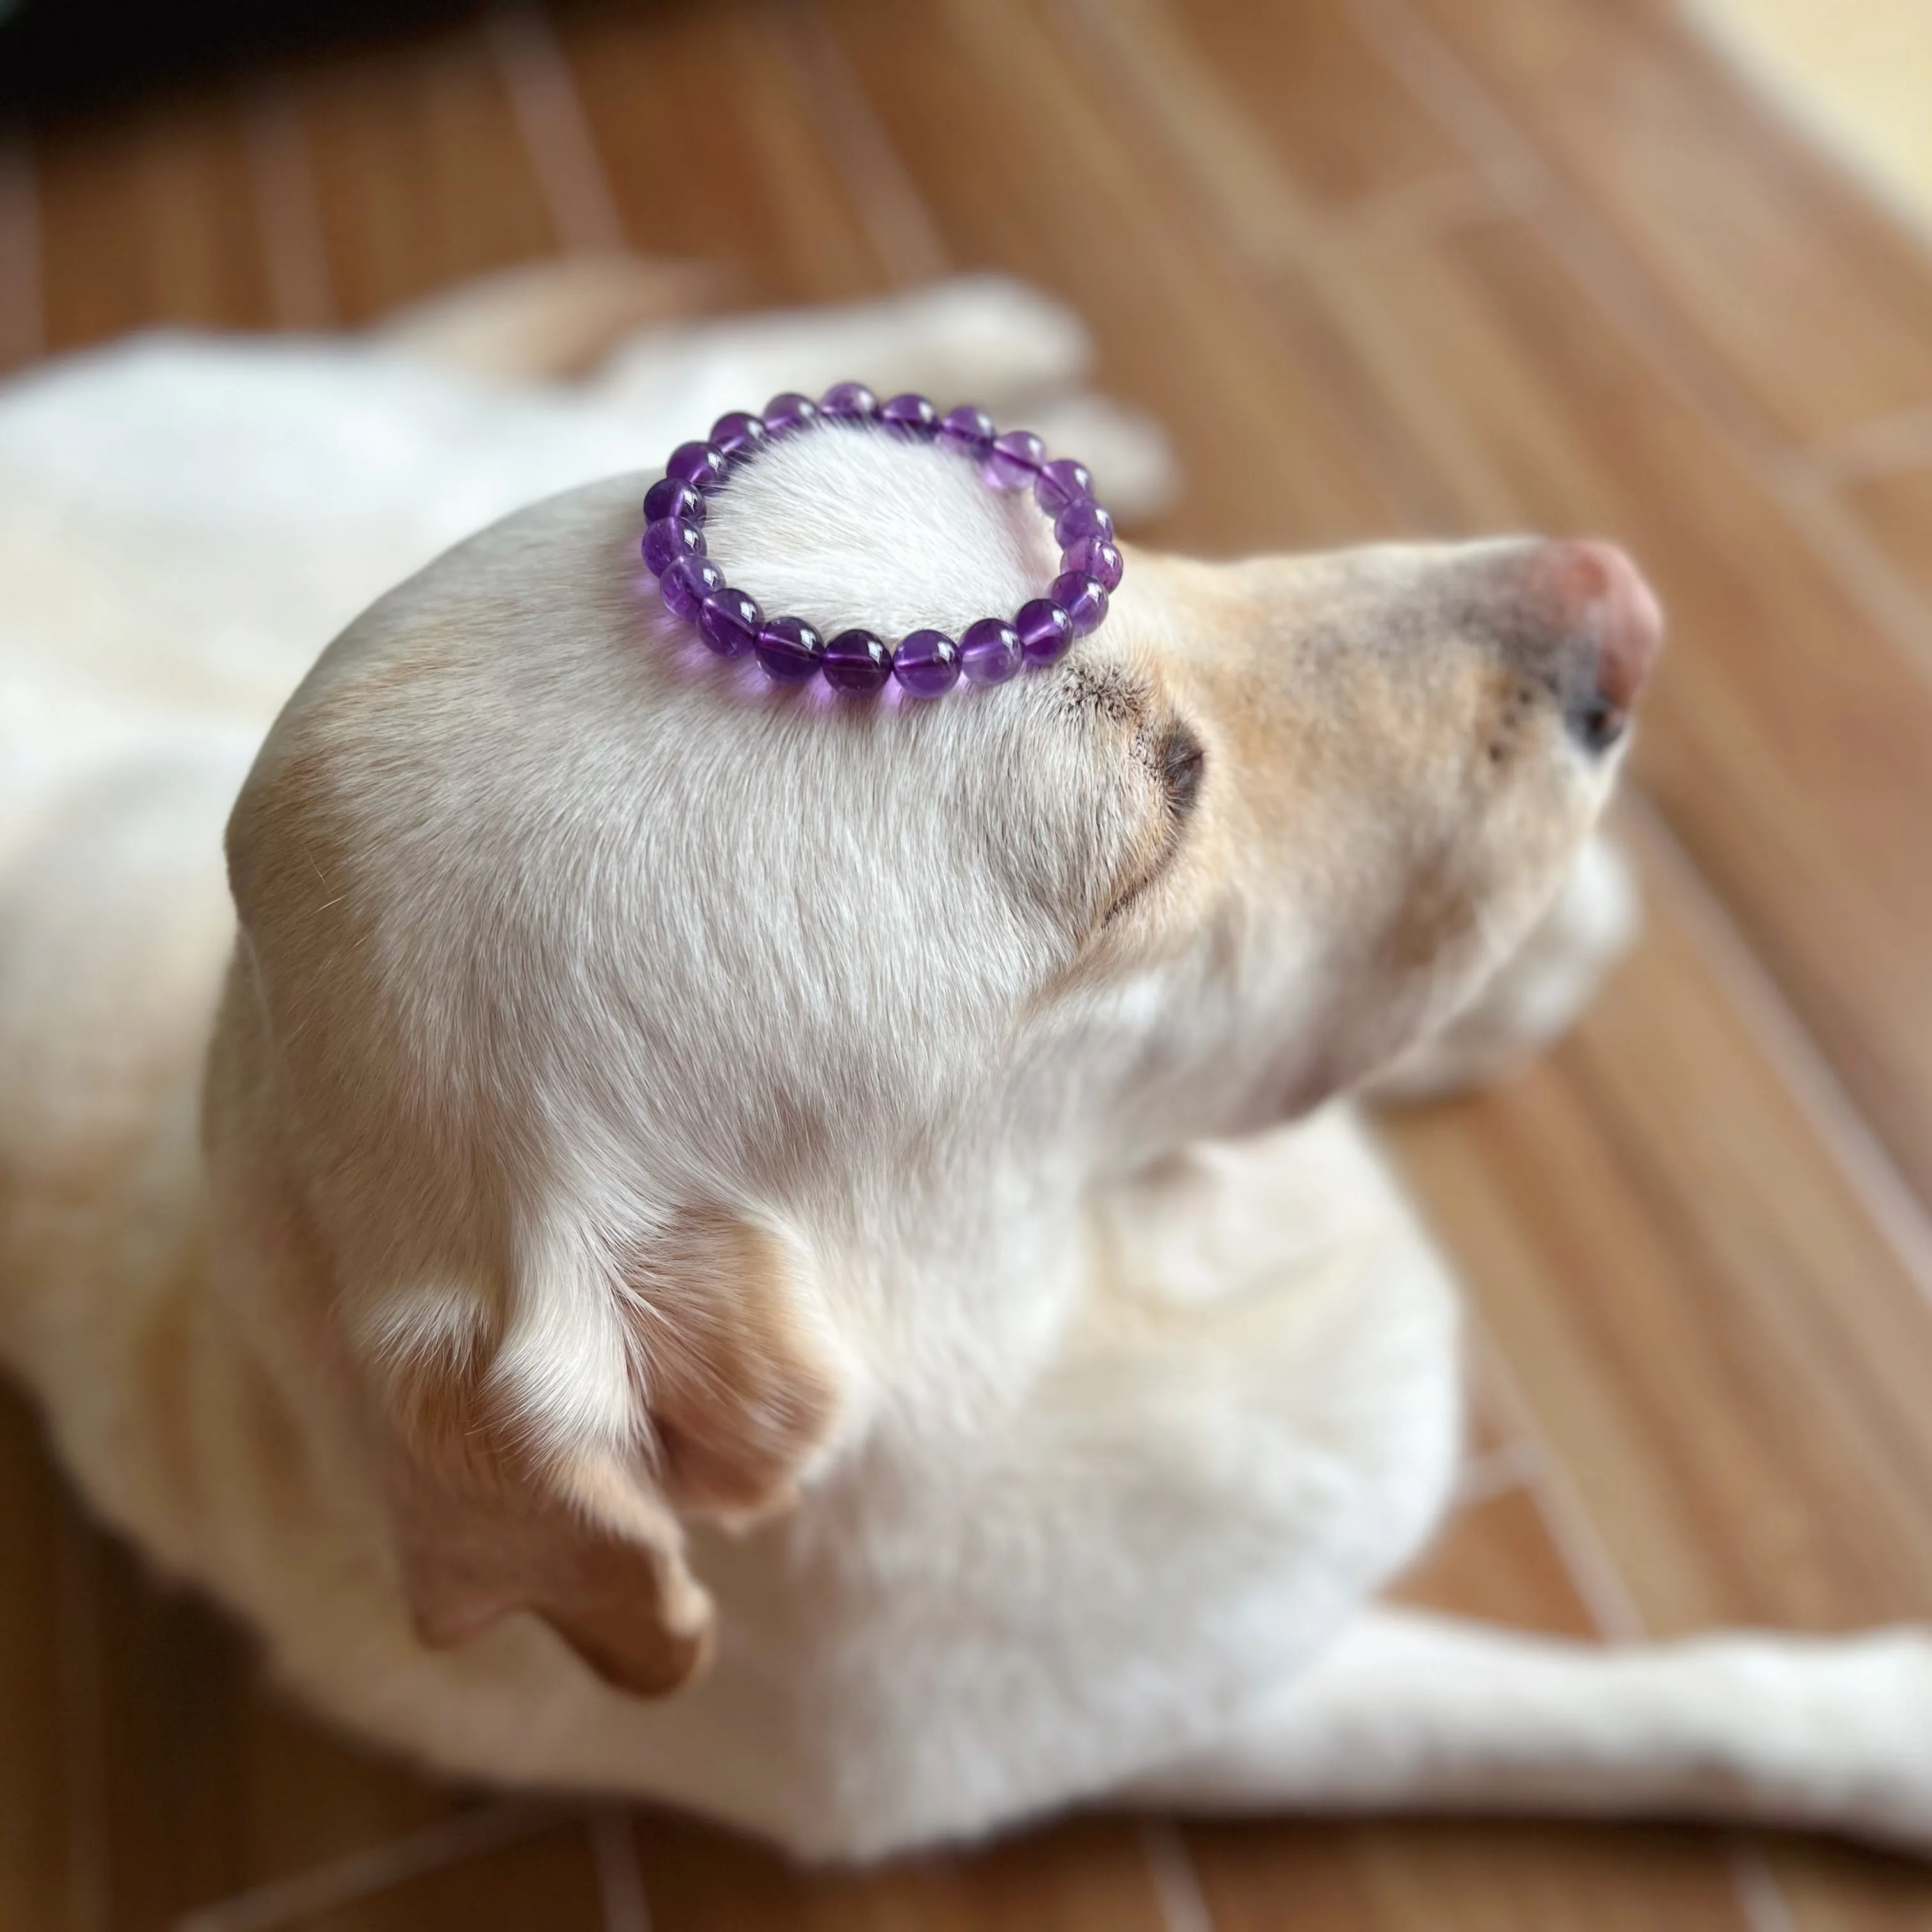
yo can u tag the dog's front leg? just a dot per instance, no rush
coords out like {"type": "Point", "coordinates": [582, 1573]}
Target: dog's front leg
{"type": "Point", "coordinates": [1413, 1712]}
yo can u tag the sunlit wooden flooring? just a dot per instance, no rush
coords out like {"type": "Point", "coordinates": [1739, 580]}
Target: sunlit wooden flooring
{"type": "Point", "coordinates": [1382, 266]}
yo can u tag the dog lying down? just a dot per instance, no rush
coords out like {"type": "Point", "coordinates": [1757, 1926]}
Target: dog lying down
{"type": "Point", "coordinates": [805, 1258]}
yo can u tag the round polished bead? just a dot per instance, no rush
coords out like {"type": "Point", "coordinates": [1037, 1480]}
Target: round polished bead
{"type": "Point", "coordinates": [1080, 521]}
{"type": "Point", "coordinates": [784, 413]}
{"type": "Point", "coordinates": [701, 464]}
{"type": "Point", "coordinates": [730, 622]}
{"type": "Point", "coordinates": [686, 584]}
{"type": "Point", "coordinates": [672, 496]}
{"type": "Point", "coordinates": [1084, 598]}
{"type": "Point", "coordinates": [927, 663]}
{"type": "Point", "coordinates": [1061, 484]}
{"type": "Point", "coordinates": [967, 431]}
{"type": "Point", "coordinates": [1045, 631]}
{"type": "Point", "coordinates": [1095, 557]}
{"type": "Point", "coordinates": [738, 435]}
{"type": "Point", "coordinates": [856, 660]}
{"type": "Point", "coordinates": [850, 402]}
{"type": "Point", "coordinates": [911, 415]}
{"type": "Point", "coordinates": [790, 650]}
{"type": "Point", "coordinates": [989, 651]}
{"type": "Point", "coordinates": [669, 538]}
{"type": "Point", "coordinates": [1014, 460]}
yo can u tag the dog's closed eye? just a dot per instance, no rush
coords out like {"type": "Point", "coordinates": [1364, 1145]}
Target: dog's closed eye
{"type": "Point", "coordinates": [1183, 765]}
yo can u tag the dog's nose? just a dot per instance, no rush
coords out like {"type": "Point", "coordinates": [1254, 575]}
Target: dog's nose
{"type": "Point", "coordinates": [1591, 603]}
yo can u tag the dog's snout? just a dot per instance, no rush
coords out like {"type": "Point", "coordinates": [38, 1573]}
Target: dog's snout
{"type": "Point", "coordinates": [1594, 625]}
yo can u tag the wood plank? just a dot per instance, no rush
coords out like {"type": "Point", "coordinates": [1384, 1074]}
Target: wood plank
{"type": "Point", "coordinates": [1803, 308]}
{"type": "Point", "coordinates": [1089, 1875]}
{"type": "Point", "coordinates": [1896, 509]}
{"type": "Point", "coordinates": [149, 217]}
{"type": "Point", "coordinates": [1727, 1356]}
{"type": "Point", "coordinates": [547, 1881]}
{"type": "Point", "coordinates": [1464, 1876]}
{"type": "Point", "coordinates": [712, 141]}
{"type": "Point", "coordinates": [1029, 167]}
{"type": "Point", "coordinates": [37, 1772]}
{"type": "Point", "coordinates": [1340, 121]}
{"type": "Point", "coordinates": [421, 173]}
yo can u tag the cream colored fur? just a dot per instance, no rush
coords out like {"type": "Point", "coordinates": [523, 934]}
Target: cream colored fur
{"type": "Point", "coordinates": [851, 1211]}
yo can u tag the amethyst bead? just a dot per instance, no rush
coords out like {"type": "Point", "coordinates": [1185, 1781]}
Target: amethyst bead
{"type": "Point", "coordinates": [911, 415]}
{"type": "Point", "coordinates": [1045, 631]}
{"type": "Point", "coordinates": [1014, 460]}
{"type": "Point", "coordinates": [701, 464]}
{"type": "Point", "coordinates": [1084, 598]}
{"type": "Point", "coordinates": [789, 411]}
{"type": "Point", "coordinates": [850, 402]}
{"type": "Point", "coordinates": [856, 660]}
{"type": "Point", "coordinates": [989, 651]}
{"type": "Point", "coordinates": [730, 622]}
{"type": "Point", "coordinates": [1083, 520]}
{"type": "Point", "coordinates": [672, 496]}
{"type": "Point", "coordinates": [927, 663]}
{"type": "Point", "coordinates": [1061, 484]}
{"type": "Point", "coordinates": [669, 538]}
{"type": "Point", "coordinates": [1096, 558]}
{"type": "Point", "coordinates": [967, 431]}
{"type": "Point", "coordinates": [686, 584]}
{"type": "Point", "coordinates": [790, 650]}
{"type": "Point", "coordinates": [738, 435]}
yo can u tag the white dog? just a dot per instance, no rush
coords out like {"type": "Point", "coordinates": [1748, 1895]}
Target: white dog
{"type": "Point", "coordinates": [841, 1209]}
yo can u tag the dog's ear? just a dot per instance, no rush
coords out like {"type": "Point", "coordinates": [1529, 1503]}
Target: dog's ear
{"type": "Point", "coordinates": [732, 1396]}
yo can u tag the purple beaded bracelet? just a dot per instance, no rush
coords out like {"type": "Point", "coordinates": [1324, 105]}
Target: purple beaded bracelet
{"type": "Point", "coordinates": [926, 662]}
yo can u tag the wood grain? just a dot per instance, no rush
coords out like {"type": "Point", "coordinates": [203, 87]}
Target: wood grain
{"type": "Point", "coordinates": [149, 219]}
{"type": "Point", "coordinates": [421, 173]}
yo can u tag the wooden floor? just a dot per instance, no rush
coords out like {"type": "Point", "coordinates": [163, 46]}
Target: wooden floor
{"type": "Point", "coordinates": [1382, 265]}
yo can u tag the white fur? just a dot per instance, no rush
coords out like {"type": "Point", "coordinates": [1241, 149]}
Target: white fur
{"type": "Point", "coordinates": [1143, 1394]}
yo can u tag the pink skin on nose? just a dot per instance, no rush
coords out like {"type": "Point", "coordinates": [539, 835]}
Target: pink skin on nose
{"type": "Point", "coordinates": [1595, 590]}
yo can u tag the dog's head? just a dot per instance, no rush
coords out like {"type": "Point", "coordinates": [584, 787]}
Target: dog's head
{"type": "Point", "coordinates": [669, 1079]}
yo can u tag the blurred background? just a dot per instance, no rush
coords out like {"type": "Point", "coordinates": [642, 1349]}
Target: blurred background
{"type": "Point", "coordinates": [1380, 266]}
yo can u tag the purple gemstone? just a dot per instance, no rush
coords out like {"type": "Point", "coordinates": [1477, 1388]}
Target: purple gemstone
{"type": "Point", "coordinates": [790, 650]}
{"type": "Point", "coordinates": [784, 413]}
{"type": "Point", "coordinates": [1061, 484]}
{"type": "Point", "coordinates": [1045, 631]}
{"type": "Point", "coordinates": [856, 660]}
{"type": "Point", "coordinates": [687, 583]}
{"type": "Point", "coordinates": [669, 538]}
{"type": "Point", "coordinates": [1095, 557]}
{"type": "Point", "coordinates": [672, 496]}
{"type": "Point", "coordinates": [738, 435]}
{"type": "Point", "coordinates": [911, 415]}
{"type": "Point", "coordinates": [851, 402]}
{"type": "Point", "coordinates": [730, 622]}
{"type": "Point", "coordinates": [1083, 520]}
{"type": "Point", "coordinates": [967, 431]}
{"type": "Point", "coordinates": [927, 663]}
{"type": "Point", "coordinates": [1014, 460]}
{"type": "Point", "coordinates": [989, 651]}
{"type": "Point", "coordinates": [1084, 598]}
{"type": "Point", "coordinates": [702, 463]}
